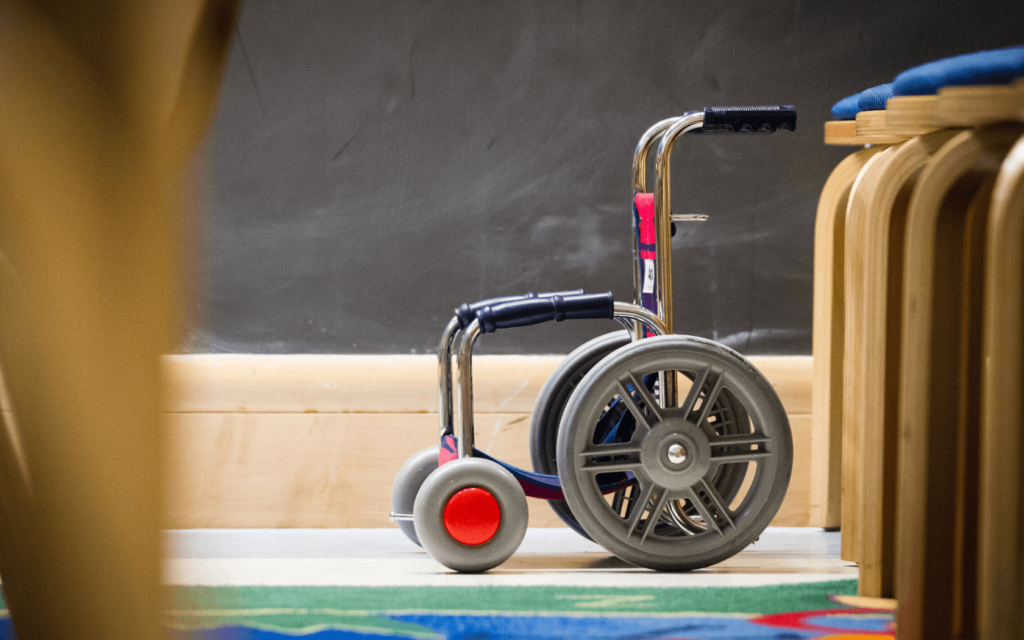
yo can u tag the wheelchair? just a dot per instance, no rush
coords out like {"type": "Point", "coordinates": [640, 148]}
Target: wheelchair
{"type": "Point", "coordinates": [672, 452]}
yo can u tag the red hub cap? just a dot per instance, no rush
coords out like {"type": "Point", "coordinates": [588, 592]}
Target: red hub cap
{"type": "Point", "coordinates": [472, 516]}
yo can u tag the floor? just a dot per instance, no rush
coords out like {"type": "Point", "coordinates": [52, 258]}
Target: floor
{"type": "Point", "coordinates": [558, 557]}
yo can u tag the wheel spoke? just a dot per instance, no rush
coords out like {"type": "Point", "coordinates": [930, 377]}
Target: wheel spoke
{"type": "Point", "coordinates": [738, 456]}
{"type": "Point", "coordinates": [695, 389]}
{"type": "Point", "coordinates": [710, 398]}
{"type": "Point", "coordinates": [655, 513]}
{"type": "Point", "coordinates": [645, 396]}
{"type": "Point", "coordinates": [741, 439]}
{"type": "Point", "coordinates": [610, 452]}
{"type": "Point", "coordinates": [716, 500]}
{"type": "Point", "coordinates": [636, 509]}
{"type": "Point", "coordinates": [705, 513]}
{"type": "Point", "coordinates": [720, 456]}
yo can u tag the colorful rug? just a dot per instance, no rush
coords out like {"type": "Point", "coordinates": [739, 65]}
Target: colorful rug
{"type": "Point", "coordinates": [784, 612]}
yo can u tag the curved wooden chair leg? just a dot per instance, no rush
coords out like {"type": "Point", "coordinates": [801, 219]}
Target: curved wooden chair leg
{"type": "Point", "coordinates": [1001, 558]}
{"type": "Point", "coordinates": [939, 404]}
{"type": "Point", "coordinates": [876, 364]}
{"type": "Point", "coordinates": [829, 310]}
{"type": "Point", "coordinates": [858, 217]}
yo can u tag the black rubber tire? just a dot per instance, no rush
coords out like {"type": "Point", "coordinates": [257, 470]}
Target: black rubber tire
{"type": "Point", "coordinates": [547, 411]}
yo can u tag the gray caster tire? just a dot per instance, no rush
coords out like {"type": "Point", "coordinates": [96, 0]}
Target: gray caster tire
{"type": "Point", "coordinates": [675, 456]}
{"type": "Point", "coordinates": [726, 417]}
{"type": "Point", "coordinates": [470, 515]}
{"type": "Point", "coordinates": [547, 411]}
{"type": "Point", "coordinates": [407, 484]}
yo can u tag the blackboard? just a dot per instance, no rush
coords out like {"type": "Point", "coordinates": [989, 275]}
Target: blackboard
{"type": "Point", "coordinates": [373, 164]}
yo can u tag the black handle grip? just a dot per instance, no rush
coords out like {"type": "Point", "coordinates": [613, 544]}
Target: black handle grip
{"type": "Point", "coordinates": [467, 312]}
{"type": "Point", "coordinates": [765, 119]}
{"type": "Point", "coordinates": [523, 313]}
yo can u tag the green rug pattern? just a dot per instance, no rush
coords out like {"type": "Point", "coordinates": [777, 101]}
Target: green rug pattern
{"type": "Point", "coordinates": [304, 609]}
{"type": "Point", "coordinates": [781, 612]}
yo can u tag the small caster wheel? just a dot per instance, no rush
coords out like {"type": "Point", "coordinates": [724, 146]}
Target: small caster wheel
{"type": "Point", "coordinates": [407, 484]}
{"type": "Point", "coordinates": [677, 516]}
{"type": "Point", "coordinates": [470, 515]}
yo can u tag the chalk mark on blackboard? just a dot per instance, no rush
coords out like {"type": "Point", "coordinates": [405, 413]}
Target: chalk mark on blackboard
{"type": "Point", "coordinates": [248, 65]}
{"type": "Point", "coordinates": [343, 147]}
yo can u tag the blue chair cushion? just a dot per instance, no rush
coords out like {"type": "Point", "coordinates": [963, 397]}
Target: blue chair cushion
{"type": "Point", "coordinates": [873, 99]}
{"type": "Point", "coordinates": [868, 100]}
{"type": "Point", "coordinates": [1000, 66]}
{"type": "Point", "coordinates": [846, 109]}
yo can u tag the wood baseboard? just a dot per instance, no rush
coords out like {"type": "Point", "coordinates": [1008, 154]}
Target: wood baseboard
{"type": "Point", "coordinates": [315, 441]}
{"type": "Point", "coordinates": [390, 384]}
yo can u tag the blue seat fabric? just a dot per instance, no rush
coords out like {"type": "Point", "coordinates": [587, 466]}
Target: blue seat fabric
{"type": "Point", "coordinates": [846, 109]}
{"type": "Point", "coordinates": [873, 99]}
{"type": "Point", "coordinates": [868, 100]}
{"type": "Point", "coordinates": [1000, 66]}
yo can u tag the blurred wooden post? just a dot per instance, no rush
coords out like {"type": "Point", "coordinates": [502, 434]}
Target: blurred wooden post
{"type": "Point", "coordinates": [101, 104]}
{"type": "Point", "coordinates": [1001, 556]}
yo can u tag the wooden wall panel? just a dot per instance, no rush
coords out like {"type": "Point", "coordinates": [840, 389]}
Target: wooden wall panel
{"type": "Point", "coordinates": [391, 384]}
{"type": "Point", "coordinates": [297, 470]}
{"type": "Point", "coordinates": [329, 462]}
{"type": "Point", "coordinates": [328, 384]}
{"type": "Point", "coordinates": [335, 470]}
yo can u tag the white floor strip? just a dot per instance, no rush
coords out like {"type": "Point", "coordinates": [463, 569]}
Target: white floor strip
{"type": "Point", "coordinates": [558, 557]}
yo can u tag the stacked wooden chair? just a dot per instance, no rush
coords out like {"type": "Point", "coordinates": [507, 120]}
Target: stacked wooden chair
{"type": "Point", "coordinates": [918, 348]}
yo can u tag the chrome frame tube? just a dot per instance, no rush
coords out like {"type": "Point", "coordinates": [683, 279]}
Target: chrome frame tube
{"type": "Point", "coordinates": [638, 314]}
{"type": "Point", "coordinates": [464, 429]}
{"type": "Point", "coordinates": [643, 149]}
{"type": "Point", "coordinates": [663, 227]}
{"type": "Point", "coordinates": [630, 315]}
{"type": "Point", "coordinates": [663, 211]}
{"type": "Point", "coordinates": [444, 375]}
{"type": "Point", "coordinates": [642, 316]}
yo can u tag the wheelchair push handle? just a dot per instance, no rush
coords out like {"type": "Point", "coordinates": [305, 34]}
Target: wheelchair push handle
{"type": "Point", "coordinates": [530, 311]}
{"type": "Point", "coordinates": [466, 313]}
{"type": "Point", "coordinates": [764, 119]}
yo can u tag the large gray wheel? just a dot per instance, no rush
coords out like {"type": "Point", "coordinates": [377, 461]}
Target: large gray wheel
{"type": "Point", "coordinates": [675, 517]}
{"type": "Point", "coordinates": [470, 514]}
{"type": "Point", "coordinates": [727, 417]}
{"type": "Point", "coordinates": [547, 411]}
{"type": "Point", "coordinates": [407, 484]}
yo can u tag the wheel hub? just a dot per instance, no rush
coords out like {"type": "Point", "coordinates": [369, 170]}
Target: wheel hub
{"type": "Point", "coordinates": [472, 516]}
{"type": "Point", "coordinates": [676, 453]}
